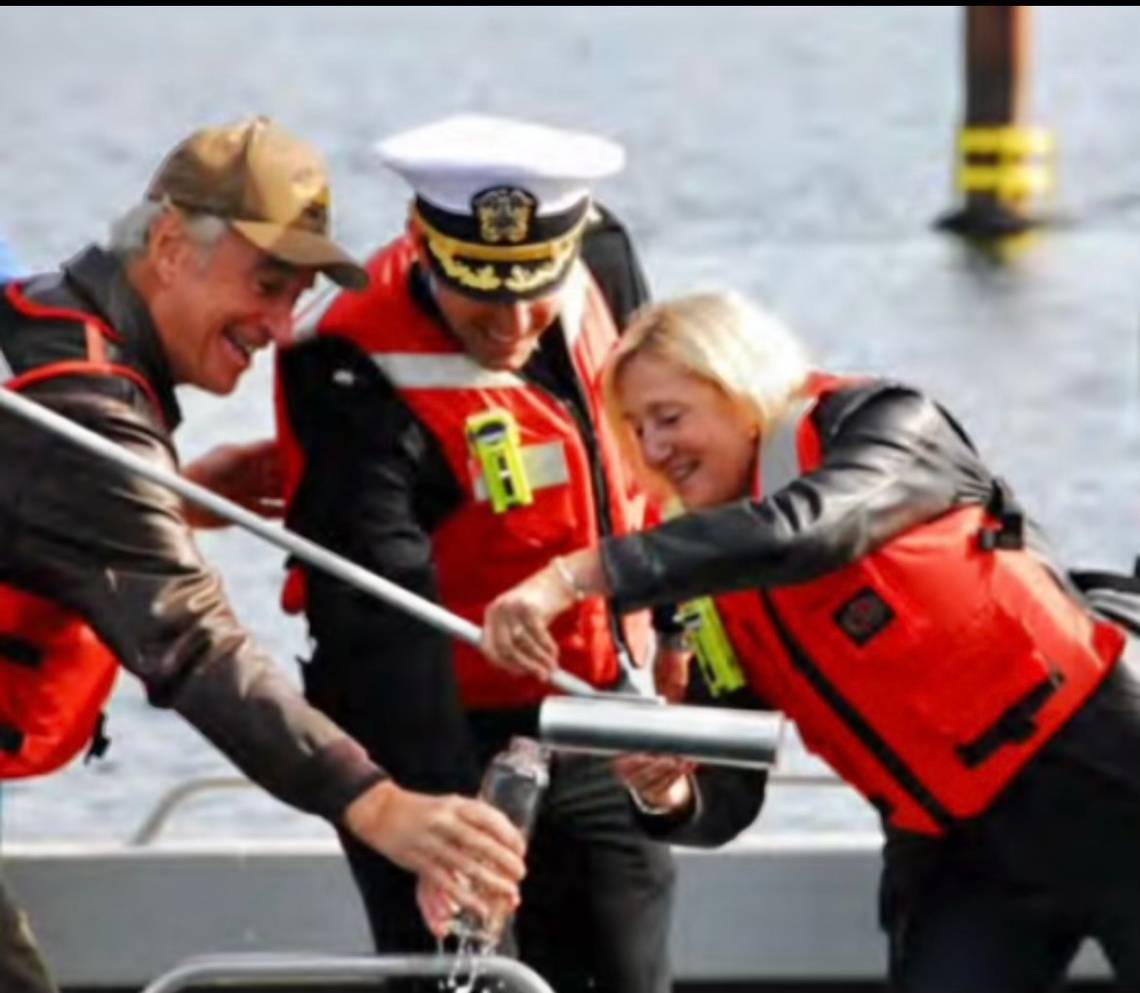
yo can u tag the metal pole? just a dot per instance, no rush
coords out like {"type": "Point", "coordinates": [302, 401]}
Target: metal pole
{"type": "Point", "coordinates": [613, 725]}
{"type": "Point", "coordinates": [308, 551]}
{"type": "Point", "coordinates": [283, 969]}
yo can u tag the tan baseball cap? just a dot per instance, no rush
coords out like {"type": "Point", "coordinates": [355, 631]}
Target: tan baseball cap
{"type": "Point", "coordinates": [272, 188]}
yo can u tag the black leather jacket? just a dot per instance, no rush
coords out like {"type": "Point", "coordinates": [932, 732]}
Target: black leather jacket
{"type": "Point", "coordinates": [892, 458]}
{"type": "Point", "coordinates": [117, 550]}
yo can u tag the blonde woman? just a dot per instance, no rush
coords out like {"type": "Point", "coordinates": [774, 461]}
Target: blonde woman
{"type": "Point", "coordinates": [875, 581]}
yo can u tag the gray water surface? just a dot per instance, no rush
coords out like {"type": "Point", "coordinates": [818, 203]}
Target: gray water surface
{"type": "Point", "coordinates": [796, 154]}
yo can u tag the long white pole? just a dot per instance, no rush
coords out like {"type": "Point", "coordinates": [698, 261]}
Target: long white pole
{"type": "Point", "coordinates": [306, 550]}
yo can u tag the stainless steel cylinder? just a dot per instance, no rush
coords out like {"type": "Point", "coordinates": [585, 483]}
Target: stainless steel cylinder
{"type": "Point", "coordinates": [610, 725]}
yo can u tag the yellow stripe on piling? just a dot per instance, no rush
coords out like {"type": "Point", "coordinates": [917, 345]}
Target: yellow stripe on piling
{"type": "Point", "coordinates": [1010, 163]}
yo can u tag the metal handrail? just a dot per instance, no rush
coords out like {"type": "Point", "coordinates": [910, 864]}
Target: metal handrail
{"type": "Point", "coordinates": [176, 796]}
{"type": "Point", "coordinates": [822, 778]}
{"type": "Point", "coordinates": [173, 798]}
{"type": "Point", "coordinates": [287, 968]}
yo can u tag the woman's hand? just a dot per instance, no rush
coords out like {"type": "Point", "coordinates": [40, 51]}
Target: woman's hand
{"type": "Point", "coordinates": [516, 633]}
{"type": "Point", "coordinates": [249, 475]}
{"type": "Point", "coordinates": [515, 626]}
{"type": "Point", "coordinates": [671, 665]}
{"type": "Point", "coordinates": [661, 783]}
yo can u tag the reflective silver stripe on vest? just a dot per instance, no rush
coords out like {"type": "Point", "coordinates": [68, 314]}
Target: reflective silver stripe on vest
{"type": "Point", "coordinates": [310, 312]}
{"type": "Point", "coordinates": [779, 453]}
{"type": "Point", "coordinates": [416, 371]}
{"type": "Point", "coordinates": [573, 311]}
{"type": "Point", "coordinates": [5, 369]}
{"type": "Point", "coordinates": [545, 466]}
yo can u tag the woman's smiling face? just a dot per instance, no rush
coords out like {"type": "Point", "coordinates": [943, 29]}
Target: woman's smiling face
{"type": "Point", "coordinates": [700, 440]}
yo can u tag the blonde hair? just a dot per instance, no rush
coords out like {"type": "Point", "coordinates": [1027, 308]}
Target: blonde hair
{"type": "Point", "coordinates": [740, 348]}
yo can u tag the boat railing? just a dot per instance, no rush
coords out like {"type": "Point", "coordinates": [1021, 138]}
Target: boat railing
{"type": "Point", "coordinates": [238, 970]}
{"type": "Point", "coordinates": [182, 793]}
{"type": "Point", "coordinates": [177, 796]}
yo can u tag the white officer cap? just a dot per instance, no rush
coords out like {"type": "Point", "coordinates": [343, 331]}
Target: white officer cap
{"type": "Point", "coordinates": [500, 203]}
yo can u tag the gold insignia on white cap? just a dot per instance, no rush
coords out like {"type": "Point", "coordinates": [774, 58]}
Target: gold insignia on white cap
{"type": "Point", "coordinates": [500, 203]}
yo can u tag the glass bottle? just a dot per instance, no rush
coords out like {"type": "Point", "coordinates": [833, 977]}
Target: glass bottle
{"type": "Point", "coordinates": [514, 783]}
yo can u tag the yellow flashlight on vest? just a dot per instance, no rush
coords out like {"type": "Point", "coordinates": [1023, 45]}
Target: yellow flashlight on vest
{"type": "Point", "coordinates": [708, 639]}
{"type": "Point", "coordinates": [493, 437]}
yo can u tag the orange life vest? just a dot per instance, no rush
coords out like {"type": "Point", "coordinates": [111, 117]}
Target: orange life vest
{"type": "Point", "coordinates": [478, 553]}
{"type": "Point", "coordinates": [929, 671]}
{"type": "Point", "coordinates": [55, 672]}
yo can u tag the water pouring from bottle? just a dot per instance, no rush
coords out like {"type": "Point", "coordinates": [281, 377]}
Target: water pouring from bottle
{"type": "Point", "coordinates": [514, 783]}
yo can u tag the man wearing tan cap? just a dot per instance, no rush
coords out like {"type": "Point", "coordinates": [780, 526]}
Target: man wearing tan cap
{"type": "Point", "coordinates": [444, 428]}
{"type": "Point", "coordinates": [99, 569]}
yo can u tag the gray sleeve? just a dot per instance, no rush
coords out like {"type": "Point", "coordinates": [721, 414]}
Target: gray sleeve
{"type": "Point", "coordinates": [116, 549]}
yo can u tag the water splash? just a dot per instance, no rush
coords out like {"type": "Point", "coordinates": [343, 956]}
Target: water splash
{"type": "Point", "coordinates": [469, 942]}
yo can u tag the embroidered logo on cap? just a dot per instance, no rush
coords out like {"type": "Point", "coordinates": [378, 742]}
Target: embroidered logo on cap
{"type": "Point", "coordinates": [505, 214]}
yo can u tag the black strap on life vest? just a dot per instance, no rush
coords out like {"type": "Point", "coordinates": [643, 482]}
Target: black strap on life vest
{"type": "Point", "coordinates": [855, 722]}
{"type": "Point", "coordinates": [11, 739]}
{"type": "Point", "coordinates": [20, 651]}
{"type": "Point", "coordinates": [1015, 726]}
{"type": "Point", "coordinates": [100, 740]}
{"type": "Point", "coordinates": [1010, 530]}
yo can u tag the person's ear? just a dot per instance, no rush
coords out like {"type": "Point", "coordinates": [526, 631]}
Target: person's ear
{"type": "Point", "coordinates": [751, 419]}
{"type": "Point", "coordinates": [167, 245]}
{"type": "Point", "coordinates": [419, 240]}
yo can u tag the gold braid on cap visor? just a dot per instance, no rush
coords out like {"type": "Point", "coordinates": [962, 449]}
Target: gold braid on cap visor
{"type": "Point", "coordinates": [557, 253]}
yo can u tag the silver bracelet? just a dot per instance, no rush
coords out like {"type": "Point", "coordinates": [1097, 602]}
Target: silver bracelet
{"type": "Point", "coordinates": [568, 578]}
{"type": "Point", "coordinates": [653, 810]}
{"type": "Point", "coordinates": [645, 807]}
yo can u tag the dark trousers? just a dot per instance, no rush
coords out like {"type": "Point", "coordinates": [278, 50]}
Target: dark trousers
{"type": "Point", "coordinates": [597, 899]}
{"type": "Point", "coordinates": [1002, 905]}
{"type": "Point", "coordinates": [22, 970]}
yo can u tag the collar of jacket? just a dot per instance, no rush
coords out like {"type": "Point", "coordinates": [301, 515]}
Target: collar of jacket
{"type": "Point", "coordinates": [100, 278]}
